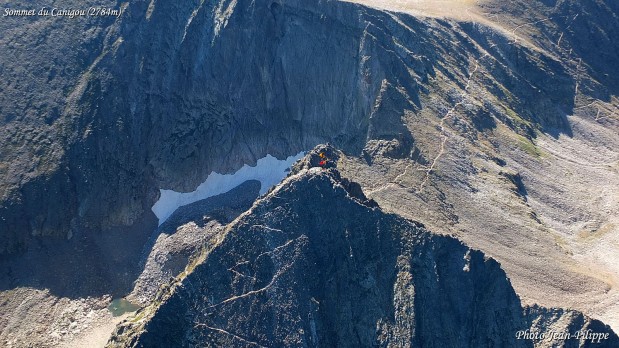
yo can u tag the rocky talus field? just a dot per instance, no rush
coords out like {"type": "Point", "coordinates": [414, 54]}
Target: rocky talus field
{"type": "Point", "coordinates": [470, 191]}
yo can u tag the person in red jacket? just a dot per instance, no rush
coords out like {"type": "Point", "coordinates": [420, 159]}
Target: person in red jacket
{"type": "Point", "coordinates": [323, 160]}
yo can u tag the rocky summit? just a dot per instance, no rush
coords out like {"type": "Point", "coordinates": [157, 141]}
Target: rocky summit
{"type": "Point", "coordinates": [316, 264]}
{"type": "Point", "coordinates": [143, 143]}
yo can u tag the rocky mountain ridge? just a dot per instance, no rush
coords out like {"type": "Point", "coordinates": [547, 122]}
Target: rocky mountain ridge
{"type": "Point", "coordinates": [315, 263]}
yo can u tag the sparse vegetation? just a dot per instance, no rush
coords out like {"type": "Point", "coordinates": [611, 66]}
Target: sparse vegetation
{"type": "Point", "coordinates": [529, 147]}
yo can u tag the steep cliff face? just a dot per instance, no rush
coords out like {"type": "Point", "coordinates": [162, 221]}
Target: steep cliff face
{"type": "Point", "coordinates": [315, 263]}
{"type": "Point", "coordinates": [41, 63]}
{"type": "Point", "coordinates": [182, 89]}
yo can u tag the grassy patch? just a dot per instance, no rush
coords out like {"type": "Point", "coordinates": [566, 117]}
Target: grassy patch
{"type": "Point", "coordinates": [137, 317]}
{"type": "Point", "coordinates": [518, 121]}
{"type": "Point", "coordinates": [529, 147]}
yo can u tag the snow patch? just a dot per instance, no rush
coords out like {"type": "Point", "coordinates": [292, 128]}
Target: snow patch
{"type": "Point", "coordinates": [268, 170]}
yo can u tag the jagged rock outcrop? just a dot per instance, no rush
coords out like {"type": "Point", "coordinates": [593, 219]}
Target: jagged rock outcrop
{"type": "Point", "coordinates": [312, 264]}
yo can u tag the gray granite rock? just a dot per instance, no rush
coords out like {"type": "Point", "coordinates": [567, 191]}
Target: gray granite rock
{"type": "Point", "coordinates": [313, 265]}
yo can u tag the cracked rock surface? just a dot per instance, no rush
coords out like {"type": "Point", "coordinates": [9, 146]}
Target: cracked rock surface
{"type": "Point", "coordinates": [312, 264]}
